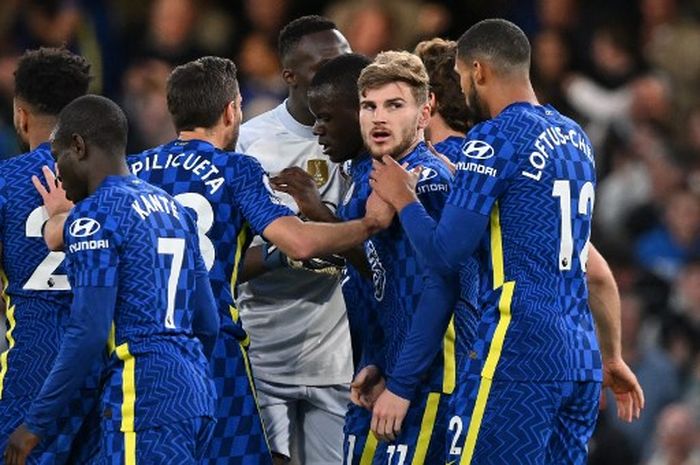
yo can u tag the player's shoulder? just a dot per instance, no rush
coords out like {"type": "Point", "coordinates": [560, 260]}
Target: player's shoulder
{"type": "Point", "coordinates": [258, 126]}
{"type": "Point", "coordinates": [26, 162]}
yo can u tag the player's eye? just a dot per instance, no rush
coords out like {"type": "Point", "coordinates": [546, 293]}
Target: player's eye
{"type": "Point", "coordinates": [367, 106]}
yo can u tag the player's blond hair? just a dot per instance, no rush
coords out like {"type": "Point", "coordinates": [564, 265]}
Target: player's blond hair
{"type": "Point", "coordinates": [395, 66]}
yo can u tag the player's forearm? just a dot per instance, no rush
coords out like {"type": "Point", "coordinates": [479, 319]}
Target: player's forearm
{"type": "Point", "coordinates": [604, 301]}
{"type": "Point", "coordinates": [446, 246]}
{"type": "Point", "coordinates": [53, 231]}
{"type": "Point", "coordinates": [427, 332]}
{"type": "Point", "coordinates": [86, 336]}
{"type": "Point", "coordinates": [304, 240]}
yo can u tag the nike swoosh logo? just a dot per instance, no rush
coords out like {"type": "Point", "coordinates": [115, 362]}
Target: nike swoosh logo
{"type": "Point", "coordinates": [451, 463]}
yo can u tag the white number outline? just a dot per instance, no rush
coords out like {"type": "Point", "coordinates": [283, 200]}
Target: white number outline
{"type": "Point", "coordinates": [43, 273]}
{"type": "Point", "coordinates": [352, 440]}
{"type": "Point", "coordinates": [456, 421]}
{"type": "Point", "coordinates": [176, 247]}
{"type": "Point", "coordinates": [402, 449]}
{"type": "Point", "coordinates": [562, 190]}
{"type": "Point", "coordinates": [205, 221]}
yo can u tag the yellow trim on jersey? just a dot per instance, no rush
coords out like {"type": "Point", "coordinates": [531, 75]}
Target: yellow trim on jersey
{"type": "Point", "coordinates": [449, 374]}
{"type": "Point", "coordinates": [10, 314]}
{"type": "Point", "coordinates": [497, 248]}
{"type": "Point", "coordinates": [249, 374]}
{"type": "Point", "coordinates": [369, 450]}
{"type": "Point", "coordinates": [240, 242]}
{"type": "Point", "coordinates": [488, 371]}
{"type": "Point", "coordinates": [426, 428]}
{"type": "Point", "coordinates": [130, 448]}
{"type": "Point", "coordinates": [128, 387]}
{"type": "Point", "coordinates": [112, 339]}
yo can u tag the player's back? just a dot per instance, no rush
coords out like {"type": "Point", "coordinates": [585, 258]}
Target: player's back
{"type": "Point", "coordinates": [451, 147]}
{"type": "Point", "coordinates": [36, 290]}
{"type": "Point", "coordinates": [224, 190]}
{"type": "Point", "coordinates": [539, 166]}
{"type": "Point", "coordinates": [134, 236]}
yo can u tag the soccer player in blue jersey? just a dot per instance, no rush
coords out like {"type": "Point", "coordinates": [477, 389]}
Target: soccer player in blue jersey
{"type": "Point", "coordinates": [140, 289]}
{"type": "Point", "coordinates": [450, 117]}
{"type": "Point", "coordinates": [521, 202]}
{"type": "Point", "coordinates": [394, 110]}
{"type": "Point", "coordinates": [36, 292]}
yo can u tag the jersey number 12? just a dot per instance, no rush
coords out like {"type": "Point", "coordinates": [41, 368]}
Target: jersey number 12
{"type": "Point", "coordinates": [562, 189]}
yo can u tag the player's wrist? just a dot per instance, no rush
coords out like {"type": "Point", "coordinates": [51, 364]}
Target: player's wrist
{"type": "Point", "coordinates": [403, 201]}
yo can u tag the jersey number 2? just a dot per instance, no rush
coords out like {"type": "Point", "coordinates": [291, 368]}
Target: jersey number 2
{"type": "Point", "coordinates": [562, 189]}
{"type": "Point", "coordinates": [43, 279]}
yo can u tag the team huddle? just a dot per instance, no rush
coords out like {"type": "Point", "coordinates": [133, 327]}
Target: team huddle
{"type": "Point", "coordinates": [136, 286]}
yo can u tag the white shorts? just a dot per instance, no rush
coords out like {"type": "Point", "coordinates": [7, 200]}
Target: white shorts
{"type": "Point", "coordinates": [304, 423]}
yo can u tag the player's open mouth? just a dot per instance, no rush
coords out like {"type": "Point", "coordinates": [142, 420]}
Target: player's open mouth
{"type": "Point", "coordinates": [380, 135]}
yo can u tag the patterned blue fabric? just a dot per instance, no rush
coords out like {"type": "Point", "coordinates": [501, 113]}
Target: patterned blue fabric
{"type": "Point", "coordinates": [525, 423]}
{"type": "Point", "coordinates": [36, 289]}
{"type": "Point", "coordinates": [181, 443]}
{"type": "Point", "coordinates": [451, 148]}
{"type": "Point", "coordinates": [230, 195]}
{"type": "Point", "coordinates": [131, 235]}
{"type": "Point", "coordinates": [396, 268]}
{"type": "Point", "coordinates": [535, 169]}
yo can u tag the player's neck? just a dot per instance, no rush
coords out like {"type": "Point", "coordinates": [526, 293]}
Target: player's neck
{"type": "Point", "coordinates": [439, 130]}
{"type": "Point", "coordinates": [508, 93]}
{"type": "Point", "coordinates": [212, 135]}
{"type": "Point", "coordinates": [40, 131]}
{"type": "Point", "coordinates": [109, 166]}
{"type": "Point", "coordinates": [299, 109]}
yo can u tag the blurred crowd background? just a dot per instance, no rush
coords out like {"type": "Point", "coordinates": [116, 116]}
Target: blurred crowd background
{"type": "Point", "coordinates": [628, 70]}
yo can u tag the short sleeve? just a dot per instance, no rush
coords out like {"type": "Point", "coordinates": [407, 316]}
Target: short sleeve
{"type": "Point", "coordinates": [488, 164]}
{"type": "Point", "coordinates": [91, 246]}
{"type": "Point", "coordinates": [255, 196]}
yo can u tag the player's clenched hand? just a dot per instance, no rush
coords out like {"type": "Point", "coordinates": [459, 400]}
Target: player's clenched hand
{"type": "Point", "coordinates": [388, 415]}
{"type": "Point", "coordinates": [629, 396]}
{"type": "Point", "coordinates": [379, 211]}
{"type": "Point", "coordinates": [366, 387]}
{"type": "Point", "coordinates": [300, 185]}
{"type": "Point", "coordinates": [20, 445]}
{"type": "Point", "coordinates": [393, 183]}
{"type": "Point", "coordinates": [54, 197]}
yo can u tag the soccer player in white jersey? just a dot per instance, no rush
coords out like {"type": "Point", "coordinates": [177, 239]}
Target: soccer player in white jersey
{"type": "Point", "coordinates": [300, 343]}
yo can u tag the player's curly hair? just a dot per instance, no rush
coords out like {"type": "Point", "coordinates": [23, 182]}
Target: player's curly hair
{"type": "Point", "coordinates": [395, 66]}
{"type": "Point", "coordinates": [438, 56]}
{"type": "Point", "coordinates": [292, 33]}
{"type": "Point", "coordinates": [199, 91]}
{"type": "Point", "coordinates": [48, 79]}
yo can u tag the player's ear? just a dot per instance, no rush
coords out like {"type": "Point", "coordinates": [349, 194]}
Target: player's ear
{"type": "Point", "coordinates": [21, 120]}
{"type": "Point", "coordinates": [424, 117]}
{"type": "Point", "coordinates": [432, 102]}
{"type": "Point", "coordinates": [230, 113]}
{"type": "Point", "coordinates": [479, 72]}
{"type": "Point", "coordinates": [289, 77]}
{"type": "Point", "coordinates": [78, 146]}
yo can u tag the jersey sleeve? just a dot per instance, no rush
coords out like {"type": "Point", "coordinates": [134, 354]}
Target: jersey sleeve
{"type": "Point", "coordinates": [91, 245]}
{"type": "Point", "coordinates": [488, 165]}
{"type": "Point", "coordinates": [258, 202]}
{"type": "Point", "coordinates": [433, 189]}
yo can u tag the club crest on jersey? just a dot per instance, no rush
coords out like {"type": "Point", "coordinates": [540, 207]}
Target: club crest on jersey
{"type": "Point", "coordinates": [478, 149]}
{"type": "Point", "coordinates": [84, 227]}
{"type": "Point", "coordinates": [318, 169]}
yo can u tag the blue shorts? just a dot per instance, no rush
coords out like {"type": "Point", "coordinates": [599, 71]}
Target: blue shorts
{"type": "Point", "coordinates": [182, 443]}
{"type": "Point", "coordinates": [421, 440]}
{"type": "Point", "coordinates": [506, 422]}
{"type": "Point", "coordinates": [238, 437]}
{"type": "Point", "coordinates": [73, 439]}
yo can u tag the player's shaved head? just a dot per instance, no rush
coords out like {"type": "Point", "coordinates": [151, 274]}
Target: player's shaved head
{"type": "Point", "coordinates": [500, 43]}
{"type": "Point", "coordinates": [49, 78]}
{"type": "Point", "coordinates": [98, 120]}
{"type": "Point", "coordinates": [199, 91]}
{"type": "Point", "coordinates": [338, 78]}
{"type": "Point", "coordinates": [292, 33]}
